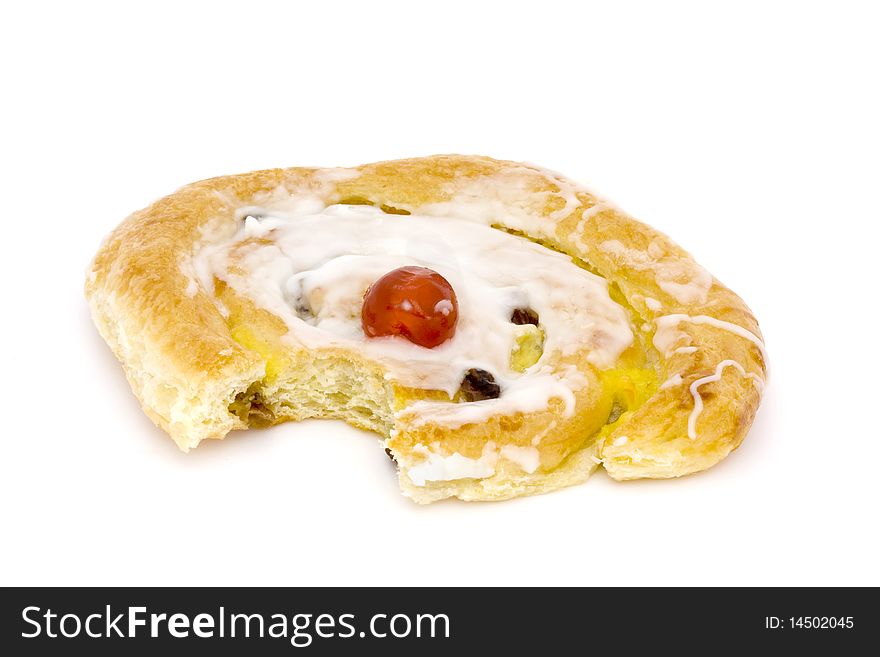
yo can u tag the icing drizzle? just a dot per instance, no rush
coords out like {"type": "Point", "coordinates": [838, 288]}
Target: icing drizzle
{"type": "Point", "coordinates": [310, 265]}
{"type": "Point", "coordinates": [669, 322]}
{"type": "Point", "coordinates": [698, 400]}
{"type": "Point", "coordinates": [665, 339]}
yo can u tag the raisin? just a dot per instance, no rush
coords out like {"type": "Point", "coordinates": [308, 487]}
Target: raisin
{"type": "Point", "coordinates": [616, 411]}
{"type": "Point", "coordinates": [478, 385]}
{"type": "Point", "coordinates": [259, 415]}
{"type": "Point", "coordinates": [388, 209]}
{"type": "Point", "coordinates": [303, 310]}
{"type": "Point", "coordinates": [522, 316]}
{"type": "Point", "coordinates": [390, 455]}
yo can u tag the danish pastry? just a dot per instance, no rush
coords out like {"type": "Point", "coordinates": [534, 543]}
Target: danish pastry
{"type": "Point", "coordinates": [502, 329]}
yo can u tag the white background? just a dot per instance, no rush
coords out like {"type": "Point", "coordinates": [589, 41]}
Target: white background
{"type": "Point", "coordinates": [750, 135]}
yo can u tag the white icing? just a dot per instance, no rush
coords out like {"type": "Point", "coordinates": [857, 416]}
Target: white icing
{"type": "Point", "coordinates": [510, 199]}
{"type": "Point", "coordinates": [538, 437]}
{"type": "Point", "coordinates": [653, 304]}
{"type": "Point", "coordinates": [666, 335]}
{"type": "Point", "coordinates": [688, 285]}
{"type": "Point", "coordinates": [299, 196]}
{"type": "Point", "coordinates": [271, 207]}
{"type": "Point", "coordinates": [567, 191]}
{"type": "Point", "coordinates": [298, 252]}
{"type": "Point", "coordinates": [436, 467]}
{"type": "Point", "coordinates": [335, 174]}
{"type": "Point", "coordinates": [679, 277]}
{"type": "Point", "coordinates": [527, 458]}
{"type": "Point", "coordinates": [620, 440]}
{"type": "Point", "coordinates": [672, 381]}
{"type": "Point", "coordinates": [527, 394]}
{"type": "Point", "coordinates": [698, 400]}
{"type": "Point", "coordinates": [587, 216]}
{"type": "Point", "coordinates": [253, 227]}
{"type": "Point", "coordinates": [616, 248]}
{"type": "Point", "coordinates": [667, 338]}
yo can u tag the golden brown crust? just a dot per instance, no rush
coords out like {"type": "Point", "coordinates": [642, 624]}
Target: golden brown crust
{"type": "Point", "coordinates": [187, 366]}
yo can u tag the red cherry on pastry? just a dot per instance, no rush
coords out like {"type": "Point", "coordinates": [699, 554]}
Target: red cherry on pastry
{"type": "Point", "coordinates": [415, 302]}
